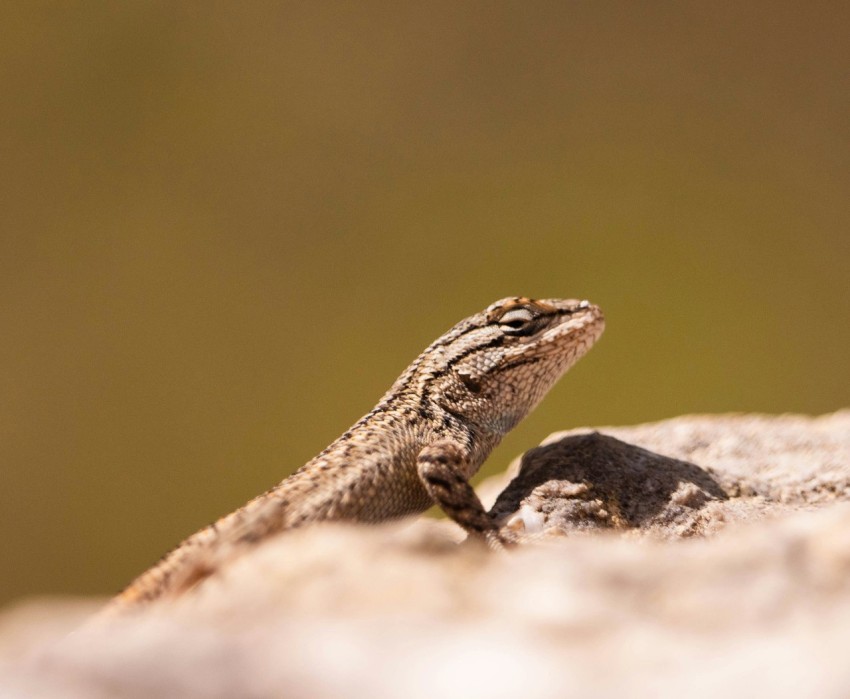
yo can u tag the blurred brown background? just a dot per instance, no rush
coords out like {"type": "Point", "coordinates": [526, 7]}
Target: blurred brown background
{"type": "Point", "coordinates": [227, 227]}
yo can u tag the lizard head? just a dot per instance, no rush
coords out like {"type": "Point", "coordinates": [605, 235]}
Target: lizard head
{"type": "Point", "coordinates": [494, 367]}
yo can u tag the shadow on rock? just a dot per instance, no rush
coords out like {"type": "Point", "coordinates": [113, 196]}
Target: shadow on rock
{"type": "Point", "coordinates": [594, 481]}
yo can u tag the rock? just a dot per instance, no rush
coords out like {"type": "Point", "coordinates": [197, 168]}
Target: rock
{"type": "Point", "coordinates": [683, 477]}
{"type": "Point", "coordinates": [699, 557]}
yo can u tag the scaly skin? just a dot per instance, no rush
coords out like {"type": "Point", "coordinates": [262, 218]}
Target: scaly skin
{"type": "Point", "coordinates": [420, 445]}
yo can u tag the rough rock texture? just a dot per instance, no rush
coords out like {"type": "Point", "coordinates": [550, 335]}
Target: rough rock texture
{"type": "Point", "coordinates": [699, 557]}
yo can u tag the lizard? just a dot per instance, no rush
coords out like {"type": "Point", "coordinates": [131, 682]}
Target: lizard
{"type": "Point", "coordinates": [418, 446]}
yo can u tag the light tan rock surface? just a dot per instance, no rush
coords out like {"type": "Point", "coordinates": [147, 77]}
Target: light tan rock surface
{"type": "Point", "coordinates": [698, 557]}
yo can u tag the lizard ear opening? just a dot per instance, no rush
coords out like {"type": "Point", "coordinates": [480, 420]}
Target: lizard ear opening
{"type": "Point", "coordinates": [469, 381]}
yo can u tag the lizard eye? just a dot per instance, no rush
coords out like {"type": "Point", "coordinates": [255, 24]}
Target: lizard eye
{"type": "Point", "coordinates": [518, 320]}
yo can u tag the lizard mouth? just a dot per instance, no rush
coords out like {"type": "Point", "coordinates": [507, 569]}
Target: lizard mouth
{"type": "Point", "coordinates": [578, 320]}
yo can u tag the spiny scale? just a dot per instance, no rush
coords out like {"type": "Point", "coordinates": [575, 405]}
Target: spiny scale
{"type": "Point", "coordinates": [419, 446]}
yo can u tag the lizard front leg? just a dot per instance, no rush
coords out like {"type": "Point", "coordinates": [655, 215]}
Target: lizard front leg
{"type": "Point", "coordinates": [441, 470]}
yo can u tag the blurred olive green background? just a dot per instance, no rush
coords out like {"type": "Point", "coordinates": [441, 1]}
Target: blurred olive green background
{"type": "Point", "coordinates": [227, 227]}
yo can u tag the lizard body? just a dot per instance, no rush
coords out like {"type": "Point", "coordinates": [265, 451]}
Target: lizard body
{"type": "Point", "coordinates": [420, 444]}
